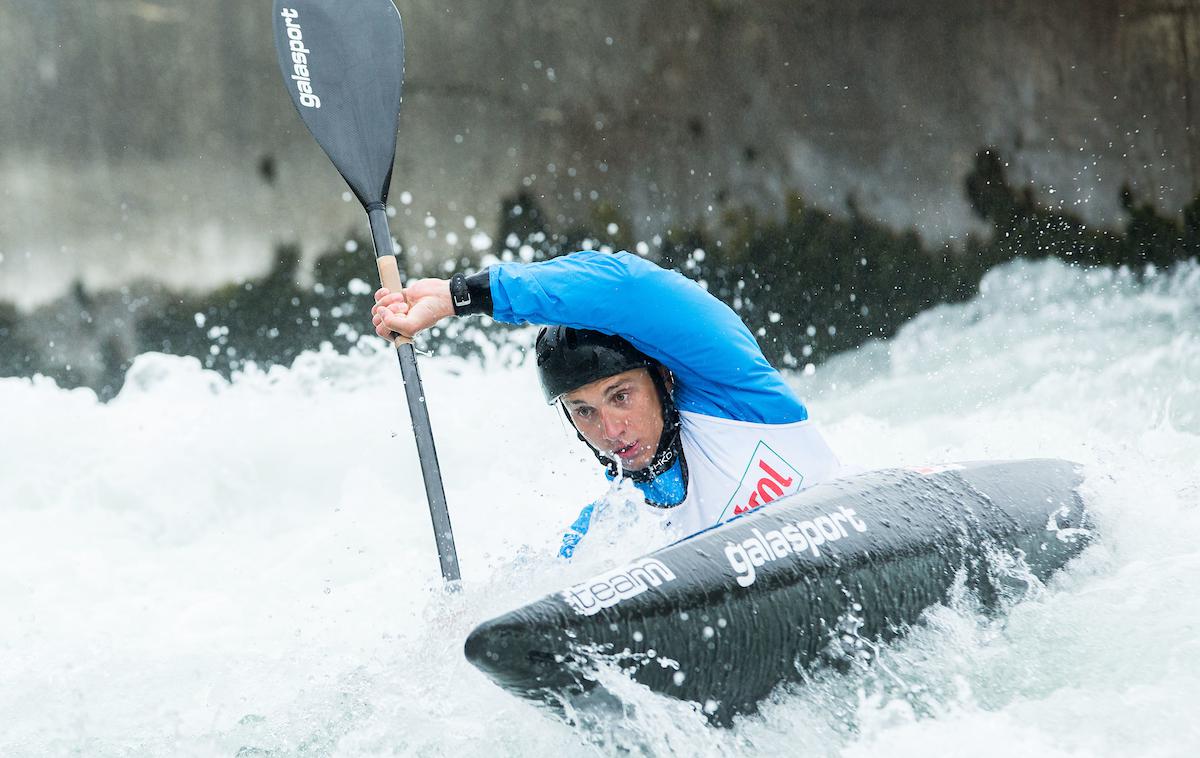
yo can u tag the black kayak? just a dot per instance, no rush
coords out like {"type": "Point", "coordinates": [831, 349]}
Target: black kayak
{"type": "Point", "coordinates": [723, 617]}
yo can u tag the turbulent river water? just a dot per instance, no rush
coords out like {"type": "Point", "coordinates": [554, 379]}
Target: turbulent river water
{"type": "Point", "coordinates": [240, 568]}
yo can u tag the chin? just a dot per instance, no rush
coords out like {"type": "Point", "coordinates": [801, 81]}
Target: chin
{"type": "Point", "coordinates": [640, 464]}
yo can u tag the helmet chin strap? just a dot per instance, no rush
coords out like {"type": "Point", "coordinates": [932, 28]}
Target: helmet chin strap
{"type": "Point", "coordinates": [668, 450]}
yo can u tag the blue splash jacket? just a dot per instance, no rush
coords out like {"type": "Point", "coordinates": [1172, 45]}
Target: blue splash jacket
{"type": "Point", "coordinates": [719, 369]}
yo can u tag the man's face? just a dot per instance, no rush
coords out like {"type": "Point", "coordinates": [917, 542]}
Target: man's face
{"type": "Point", "coordinates": [621, 416]}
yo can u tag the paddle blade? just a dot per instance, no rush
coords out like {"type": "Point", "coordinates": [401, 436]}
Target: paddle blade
{"type": "Point", "coordinates": [343, 64]}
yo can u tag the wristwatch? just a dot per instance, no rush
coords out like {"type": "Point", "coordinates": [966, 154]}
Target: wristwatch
{"type": "Point", "coordinates": [459, 292]}
{"type": "Point", "coordinates": [472, 294]}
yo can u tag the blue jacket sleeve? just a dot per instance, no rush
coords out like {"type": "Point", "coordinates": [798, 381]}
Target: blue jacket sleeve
{"type": "Point", "coordinates": [719, 369]}
{"type": "Point", "coordinates": [577, 531]}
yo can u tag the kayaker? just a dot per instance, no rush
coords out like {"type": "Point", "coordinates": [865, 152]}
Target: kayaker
{"type": "Point", "coordinates": [660, 379]}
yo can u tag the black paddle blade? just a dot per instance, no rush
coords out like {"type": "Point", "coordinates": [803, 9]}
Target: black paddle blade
{"type": "Point", "coordinates": [343, 64]}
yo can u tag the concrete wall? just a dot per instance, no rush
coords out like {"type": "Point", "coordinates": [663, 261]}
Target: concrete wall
{"type": "Point", "coordinates": [154, 137]}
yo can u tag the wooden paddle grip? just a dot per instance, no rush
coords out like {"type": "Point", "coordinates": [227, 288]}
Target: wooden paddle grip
{"type": "Point", "coordinates": [389, 276]}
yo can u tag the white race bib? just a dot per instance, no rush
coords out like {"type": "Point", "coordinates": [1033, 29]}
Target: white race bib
{"type": "Point", "coordinates": [737, 466]}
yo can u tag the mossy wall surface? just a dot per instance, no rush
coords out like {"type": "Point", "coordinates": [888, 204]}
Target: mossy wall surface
{"type": "Point", "coordinates": [808, 285]}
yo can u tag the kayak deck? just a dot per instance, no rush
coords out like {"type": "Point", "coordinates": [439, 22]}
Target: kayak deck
{"type": "Point", "coordinates": [725, 616]}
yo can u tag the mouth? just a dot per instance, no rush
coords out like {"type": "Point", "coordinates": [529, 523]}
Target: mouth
{"type": "Point", "coordinates": [629, 452]}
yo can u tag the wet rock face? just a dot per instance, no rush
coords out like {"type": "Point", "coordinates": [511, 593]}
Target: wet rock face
{"type": "Point", "coordinates": [137, 134]}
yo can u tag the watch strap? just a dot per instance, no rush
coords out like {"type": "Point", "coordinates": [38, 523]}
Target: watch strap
{"type": "Point", "coordinates": [472, 294]}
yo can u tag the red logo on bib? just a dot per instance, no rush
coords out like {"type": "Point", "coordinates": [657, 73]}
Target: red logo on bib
{"type": "Point", "coordinates": [767, 478]}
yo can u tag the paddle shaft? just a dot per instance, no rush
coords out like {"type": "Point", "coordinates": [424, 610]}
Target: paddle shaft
{"type": "Point", "coordinates": [343, 64]}
{"type": "Point", "coordinates": [418, 411]}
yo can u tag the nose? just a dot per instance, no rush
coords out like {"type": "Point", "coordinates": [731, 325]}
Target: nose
{"type": "Point", "coordinates": [614, 424]}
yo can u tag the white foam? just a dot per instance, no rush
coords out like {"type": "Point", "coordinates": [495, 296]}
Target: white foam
{"type": "Point", "coordinates": [202, 566]}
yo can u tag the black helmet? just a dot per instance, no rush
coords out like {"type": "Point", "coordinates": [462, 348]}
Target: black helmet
{"type": "Point", "coordinates": [569, 358]}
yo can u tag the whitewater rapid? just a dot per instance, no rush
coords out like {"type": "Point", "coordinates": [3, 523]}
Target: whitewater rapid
{"type": "Point", "coordinates": [234, 568]}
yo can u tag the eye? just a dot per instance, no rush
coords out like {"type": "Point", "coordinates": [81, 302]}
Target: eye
{"type": "Point", "coordinates": [583, 412]}
{"type": "Point", "coordinates": [621, 397]}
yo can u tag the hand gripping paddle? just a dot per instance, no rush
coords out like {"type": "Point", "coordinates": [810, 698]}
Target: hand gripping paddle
{"type": "Point", "coordinates": [343, 64]}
